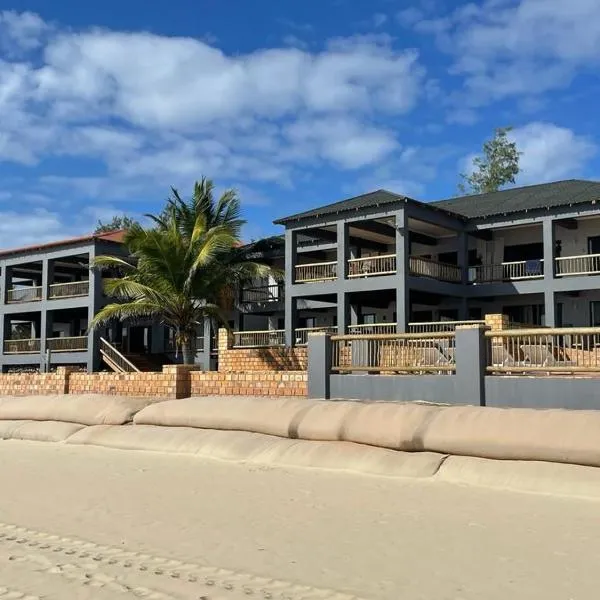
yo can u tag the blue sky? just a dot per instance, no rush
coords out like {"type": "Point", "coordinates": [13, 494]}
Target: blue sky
{"type": "Point", "coordinates": [105, 105]}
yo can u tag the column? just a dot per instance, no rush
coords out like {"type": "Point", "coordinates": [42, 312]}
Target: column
{"type": "Point", "coordinates": [95, 301]}
{"type": "Point", "coordinates": [47, 277]}
{"type": "Point", "coordinates": [5, 282]}
{"type": "Point", "coordinates": [343, 250]}
{"type": "Point", "coordinates": [343, 312]}
{"type": "Point", "coordinates": [471, 364]}
{"type": "Point", "coordinates": [2, 322]}
{"type": "Point", "coordinates": [319, 365]}
{"type": "Point", "coordinates": [402, 272]}
{"type": "Point", "coordinates": [291, 258]}
{"type": "Point", "coordinates": [549, 300]}
{"type": "Point", "coordinates": [46, 328]}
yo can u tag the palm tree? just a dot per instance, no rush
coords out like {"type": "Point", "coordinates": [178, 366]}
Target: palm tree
{"type": "Point", "coordinates": [184, 268]}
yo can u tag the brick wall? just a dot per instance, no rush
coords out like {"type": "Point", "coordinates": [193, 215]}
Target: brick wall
{"type": "Point", "coordinates": [38, 384]}
{"type": "Point", "coordinates": [249, 383]}
{"type": "Point", "coordinates": [259, 359]}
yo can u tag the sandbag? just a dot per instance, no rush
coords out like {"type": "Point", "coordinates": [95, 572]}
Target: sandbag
{"type": "Point", "coordinates": [393, 425]}
{"type": "Point", "coordinates": [89, 409]}
{"type": "Point", "coordinates": [38, 431]}
{"type": "Point", "coordinates": [515, 433]}
{"type": "Point", "coordinates": [322, 420]}
{"type": "Point", "coordinates": [258, 415]}
{"type": "Point", "coordinates": [522, 476]}
{"type": "Point", "coordinates": [261, 449]}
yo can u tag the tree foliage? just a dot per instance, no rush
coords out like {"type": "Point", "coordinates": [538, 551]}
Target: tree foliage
{"type": "Point", "coordinates": [183, 268]}
{"type": "Point", "coordinates": [116, 223]}
{"type": "Point", "coordinates": [498, 166]}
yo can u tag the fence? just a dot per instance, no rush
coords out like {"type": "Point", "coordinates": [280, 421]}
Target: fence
{"type": "Point", "coordinates": [71, 289]}
{"type": "Point", "coordinates": [24, 294]}
{"type": "Point", "coordinates": [371, 328]}
{"type": "Point", "coordinates": [432, 326]}
{"type": "Point", "coordinates": [577, 265]}
{"type": "Point", "coordinates": [25, 346]}
{"type": "Point", "coordinates": [68, 344]}
{"type": "Point", "coordinates": [316, 272]}
{"type": "Point", "coordinates": [396, 353]}
{"type": "Point", "coordinates": [259, 339]}
{"type": "Point", "coordinates": [425, 267]}
{"type": "Point", "coordinates": [507, 271]}
{"type": "Point", "coordinates": [302, 333]}
{"type": "Point", "coordinates": [372, 265]}
{"type": "Point", "coordinates": [261, 294]}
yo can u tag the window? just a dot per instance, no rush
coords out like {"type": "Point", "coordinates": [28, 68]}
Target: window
{"type": "Point", "coordinates": [594, 244]}
{"type": "Point", "coordinates": [280, 323]}
{"type": "Point", "coordinates": [450, 258]}
{"type": "Point", "coordinates": [368, 319]}
{"type": "Point", "coordinates": [308, 323]}
{"type": "Point", "coordinates": [524, 252]}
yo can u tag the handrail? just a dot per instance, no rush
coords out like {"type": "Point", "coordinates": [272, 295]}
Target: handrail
{"type": "Point", "coordinates": [372, 257]}
{"type": "Point", "coordinates": [71, 289]}
{"type": "Point", "coordinates": [427, 267]}
{"type": "Point", "coordinates": [427, 335]}
{"type": "Point", "coordinates": [67, 344]}
{"type": "Point", "coordinates": [312, 272]}
{"type": "Point", "coordinates": [120, 361]}
{"type": "Point", "coordinates": [544, 331]}
{"type": "Point", "coordinates": [24, 294]}
{"type": "Point", "coordinates": [268, 338]}
{"type": "Point", "coordinates": [22, 346]}
{"type": "Point", "coordinates": [371, 266]}
{"type": "Point", "coordinates": [583, 264]}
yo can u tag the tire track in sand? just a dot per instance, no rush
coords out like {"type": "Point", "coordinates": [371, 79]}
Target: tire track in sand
{"type": "Point", "coordinates": [151, 577]}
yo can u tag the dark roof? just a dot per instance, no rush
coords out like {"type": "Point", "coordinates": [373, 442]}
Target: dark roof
{"type": "Point", "coordinates": [520, 199]}
{"type": "Point", "coordinates": [376, 198]}
{"type": "Point", "coordinates": [116, 236]}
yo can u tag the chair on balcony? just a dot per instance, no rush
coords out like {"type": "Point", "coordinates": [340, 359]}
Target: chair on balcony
{"type": "Point", "coordinates": [534, 268]}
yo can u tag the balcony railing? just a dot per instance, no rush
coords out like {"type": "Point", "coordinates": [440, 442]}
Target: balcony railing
{"type": "Point", "coordinates": [259, 339]}
{"type": "Point", "coordinates": [67, 344]}
{"type": "Point", "coordinates": [507, 271]}
{"type": "Point", "coordinates": [586, 264]}
{"type": "Point", "coordinates": [262, 294]}
{"type": "Point", "coordinates": [372, 328]}
{"type": "Point", "coordinates": [71, 289]}
{"type": "Point", "coordinates": [28, 346]}
{"type": "Point", "coordinates": [437, 326]}
{"type": "Point", "coordinates": [302, 333]}
{"type": "Point", "coordinates": [372, 266]}
{"type": "Point", "coordinates": [425, 267]}
{"type": "Point", "coordinates": [24, 294]}
{"type": "Point", "coordinates": [312, 272]}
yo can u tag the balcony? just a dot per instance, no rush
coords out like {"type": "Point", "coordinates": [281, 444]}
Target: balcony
{"type": "Point", "coordinates": [68, 344]}
{"type": "Point", "coordinates": [507, 271]}
{"type": "Point", "coordinates": [24, 294]}
{"type": "Point", "coordinates": [425, 267]}
{"type": "Point", "coordinates": [372, 266]}
{"type": "Point", "coordinates": [26, 346]}
{"type": "Point", "coordinates": [302, 333]}
{"type": "Point", "coordinates": [312, 272]}
{"type": "Point", "coordinates": [259, 339]}
{"type": "Point", "coordinates": [263, 294]}
{"type": "Point", "coordinates": [372, 329]}
{"type": "Point", "coordinates": [72, 289]}
{"type": "Point", "coordinates": [586, 264]}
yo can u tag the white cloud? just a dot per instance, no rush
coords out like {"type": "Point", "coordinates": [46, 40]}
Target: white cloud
{"type": "Point", "coordinates": [23, 229]}
{"type": "Point", "coordinates": [21, 31]}
{"type": "Point", "coordinates": [379, 19]}
{"type": "Point", "coordinates": [550, 152]}
{"type": "Point", "coordinates": [505, 48]}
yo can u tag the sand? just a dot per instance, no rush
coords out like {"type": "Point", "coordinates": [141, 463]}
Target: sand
{"type": "Point", "coordinates": [86, 522]}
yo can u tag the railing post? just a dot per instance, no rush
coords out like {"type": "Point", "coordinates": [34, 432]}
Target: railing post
{"type": "Point", "coordinates": [471, 363]}
{"type": "Point", "coordinates": [319, 365]}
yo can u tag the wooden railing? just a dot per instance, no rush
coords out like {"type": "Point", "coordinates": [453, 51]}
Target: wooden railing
{"type": "Point", "coordinates": [302, 333]}
{"type": "Point", "coordinates": [586, 264]}
{"type": "Point", "coordinates": [507, 271]}
{"type": "Point", "coordinates": [115, 360]}
{"type": "Point", "coordinates": [67, 344]}
{"type": "Point", "coordinates": [396, 353]}
{"type": "Point", "coordinates": [372, 328]}
{"type": "Point", "coordinates": [372, 266]}
{"type": "Point", "coordinates": [24, 294]}
{"type": "Point", "coordinates": [71, 289]}
{"type": "Point", "coordinates": [535, 351]}
{"type": "Point", "coordinates": [259, 339]}
{"type": "Point", "coordinates": [325, 271]}
{"type": "Point", "coordinates": [26, 346]}
{"type": "Point", "coordinates": [260, 294]}
{"type": "Point", "coordinates": [425, 267]}
{"type": "Point", "coordinates": [434, 326]}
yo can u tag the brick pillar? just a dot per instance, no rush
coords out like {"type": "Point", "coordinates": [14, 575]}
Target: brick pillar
{"type": "Point", "coordinates": [225, 343]}
{"type": "Point", "coordinates": [179, 380]}
{"type": "Point", "coordinates": [62, 379]}
{"type": "Point", "coordinates": [497, 322]}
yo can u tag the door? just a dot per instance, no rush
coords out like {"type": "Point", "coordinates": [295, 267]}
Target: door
{"type": "Point", "coordinates": [139, 340]}
{"type": "Point", "coordinates": [594, 245]}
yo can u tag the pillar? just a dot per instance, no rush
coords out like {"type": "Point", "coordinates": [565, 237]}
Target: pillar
{"type": "Point", "coordinates": [319, 365]}
{"type": "Point", "coordinates": [291, 319]}
{"type": "Point", "coordinates": [549, 300]}
{"type": "Point", "coordinates": [95, 301]}
{"type": "Point", "coordinates": [343, 312]}
{"type": "Point", "coordinates": [4, 283]}
{"type": "Point", "coordinates": [343, 249]}
{"type": "Point", "coordinates": [402, 272]}
{"type": "Point", "coordinates": [471, 364]}
{"type": "Point", "coordinates": [47, 277]}
{"type": "Point", "coordinates": [46, 328]}
{"type": "Point", "coordinates": [291, 304]}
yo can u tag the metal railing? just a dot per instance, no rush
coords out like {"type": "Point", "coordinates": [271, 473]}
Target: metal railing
{"type": "Point", "coordinates": [372, 328]}
{"type": "Point", "coordinates": [507, 271]}
{"type": "Point", "coordinates": [26, 346]}
{"type": "Point", "coordinates": [24, 294]}
{"type": "Point", "coordinates": [586, 264]}
{"type": "Point", "coordinates": [372, 266]}
{"type": "Point", "coordinates": [259, 339]}
{"type": "Point", "coordinates": [434, 326]}
{"type": "Point", "coordinates": [396, 353]}
{"type": "Point", "coordinates": [535, 351]}
{"type": "Point", "coordinates": [71, 289]}
{"type": "Point", "coordinates": [67, 344]}
{"type": "Point", "coordinates": [115, 359]}
{"type": "Point", "coordinates": [266, 293]}
{"type": "Point", "coordinates": [302, 333]}
{"type": "Point", "coordinates": [425, 267]}
{"type": "Point", "coordinates": [325, 271]}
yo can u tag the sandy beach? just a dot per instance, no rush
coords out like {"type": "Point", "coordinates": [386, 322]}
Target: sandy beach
{"type": "Point", "coordinates": [84, 522]}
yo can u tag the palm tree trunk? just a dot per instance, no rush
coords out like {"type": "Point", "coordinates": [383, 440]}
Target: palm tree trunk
{"type": "Point", "coordinates": [187, 350]}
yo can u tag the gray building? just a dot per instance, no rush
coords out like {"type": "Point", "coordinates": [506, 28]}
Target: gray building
{"type": "Point", "coordinates": [381, 261]}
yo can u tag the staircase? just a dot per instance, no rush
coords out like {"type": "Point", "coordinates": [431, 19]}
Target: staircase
{"type": "Point", "coordinates": [148, 362]}
{"type": "Point", "coordinates": [131, 363]}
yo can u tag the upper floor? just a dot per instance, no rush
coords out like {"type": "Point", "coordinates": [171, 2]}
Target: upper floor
{"type": "Point", "coordinates": [475, 245]}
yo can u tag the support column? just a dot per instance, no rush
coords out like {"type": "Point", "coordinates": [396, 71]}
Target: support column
{"type": "Point", "coordinates": [47, 277]}
{"type": "Point", "coordinates": [4, 280]}
{"type": "Point", "coordinates": [319, 365]}
{"type": "Point", "coordinates": [94, 304]}
{"type": "Point", "coordinates": [291, 304]}
{"type": "Point", "coordinates": [471, 364]}
{"type": "Point", "coordinates": [343, 249]}
{"type": "Point", "coordinates": [343, 312]}
{"type": "Point", "coordinates": [402, 272]}
{"type": "Point", "coordinates": [46, 328]}
{"type": "Point", "coordinates": [549, 300]}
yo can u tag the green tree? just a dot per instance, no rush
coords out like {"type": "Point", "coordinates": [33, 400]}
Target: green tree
{"type": "Point", "coordinates": [117, 222]}
{"type": "Point", "coordinates": [498, 166]}
{"type": "Point", "coordinates": [184, 268]}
